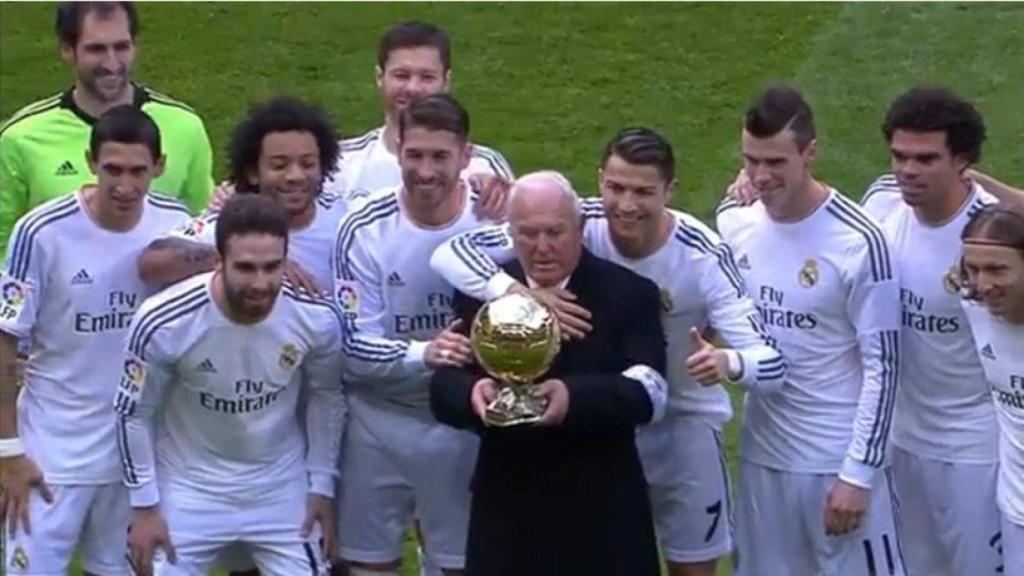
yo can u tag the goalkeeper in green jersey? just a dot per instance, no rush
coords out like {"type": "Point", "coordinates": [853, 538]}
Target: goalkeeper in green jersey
{"type": "Point", "coordinates": [43, 145]}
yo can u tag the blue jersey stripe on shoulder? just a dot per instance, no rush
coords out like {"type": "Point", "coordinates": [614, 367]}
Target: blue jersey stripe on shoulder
{"type": "Point", "coordinates": [167, 203]}
{"type": "Point", "coordinates": [496, 161]}
{"type": "Point", "coordinates": [29, 227]}
{"type": "Point", "coordinates": [697, 239]}
{"type": "Point", "coordinates": [367, 214]}
{"type": "Point", "coordinates": [354, 144]}
{"type": "Point", "coordinates": [727, 204]}
{"type": "Point", "coordinates": [464, 250]}
{"type": "Point", "coordinates": [884, 183]}
{"type": "Point", "coordinates": [850, 214]}
{"type": "Point", "coordinates": [167, 310]}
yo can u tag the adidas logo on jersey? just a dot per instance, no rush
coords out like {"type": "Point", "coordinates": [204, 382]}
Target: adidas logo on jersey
{"type": "Point", "coordinates": [395, 280]}
{"type": "Point", "coordinates": [743, 263]}
{"type": "Point", "coordinates": [987, 352]}
{"type": "Point", "coordinates": [206, 367]}
{"type": "Point", "coordinates": [81, 277]}
{"type": "Point", "coordinates": [66, 169]}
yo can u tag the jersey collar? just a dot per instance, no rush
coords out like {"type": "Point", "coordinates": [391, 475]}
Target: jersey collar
{"type": "Point", "coordinates": [67, 101]}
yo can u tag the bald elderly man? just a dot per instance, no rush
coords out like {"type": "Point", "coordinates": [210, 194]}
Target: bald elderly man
{"type": "Point", "coordinates": [566, 495]}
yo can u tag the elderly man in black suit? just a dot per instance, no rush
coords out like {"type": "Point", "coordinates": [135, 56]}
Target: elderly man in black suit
{"type": "Point", "coordinates": [565, 496]}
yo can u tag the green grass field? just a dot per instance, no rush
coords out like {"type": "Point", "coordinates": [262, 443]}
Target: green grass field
{"type": "Point", "coordinates": [548, 84]}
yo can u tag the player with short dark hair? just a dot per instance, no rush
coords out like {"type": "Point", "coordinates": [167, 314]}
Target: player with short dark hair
{"type": "Point", "coordinates": [212, 446]}
{"type": "Point", "coordinates": [397, 460]}
{"type": "Point", "coordinates": [283, 148]}
{"type": "Point", "coordinates": [413, 61]}
{"type": "Point", "coordinates": [98, 41]}
{"type": "Point", "coordinates": [68, 289]}
{"type": "Point", "coordinates": [944, 423]}
{"type": "Point", "coordinates": [813, 454]}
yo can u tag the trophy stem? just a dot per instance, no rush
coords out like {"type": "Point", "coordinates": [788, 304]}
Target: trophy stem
{"type": "Point", "coordinates": [514, 406]}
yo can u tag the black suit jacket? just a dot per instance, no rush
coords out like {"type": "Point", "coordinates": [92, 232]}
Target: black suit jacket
{"type": "Point", "coordinates": [570, 499]}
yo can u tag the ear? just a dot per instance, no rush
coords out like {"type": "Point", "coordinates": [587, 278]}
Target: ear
{"type": "Point", "coordinates": [90, 161]}
{"type": "Point", "coordinates": [252, 176]}
{"type": "Point", "coordinates": [378, 77]}
{"type": "Point", "coordinates": [159, 166]}
{"type": "Point", "coordinates": [810, 152]}
{"type": "Point", "coordinates": [961, 164]}
{"type": "Point", "coordinates": [466, 155]}
{"type": "Point", "coordinates": [67, 53]}
{"type": "Point", "coordinates": [448, 80]}
{"type": "Point", "coordinates": [670, 190]}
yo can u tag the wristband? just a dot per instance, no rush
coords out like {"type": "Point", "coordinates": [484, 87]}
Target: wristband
{"type": "Point", "coordinates": [11, 447]}
{"type": "Point", "coordinates": [735, 365]}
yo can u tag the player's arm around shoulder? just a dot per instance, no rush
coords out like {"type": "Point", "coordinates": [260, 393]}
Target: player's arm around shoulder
{"type": "Point", "coordinates": [882, 198]}
{"type": "Point", "coordinates": [186, 250]}
{"type": "Point", "coordinates": [469, 261]}
{"type": "Point", "coordinates": [733, 220]}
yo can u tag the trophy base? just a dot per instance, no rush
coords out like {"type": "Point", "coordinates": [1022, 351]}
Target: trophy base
{"type": "Point", "coordinates": [515, 406]}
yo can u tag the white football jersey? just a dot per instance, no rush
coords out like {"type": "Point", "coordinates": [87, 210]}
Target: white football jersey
{"type": "Point", "coordinates": [221, 398]}
{"type": "Point", "coordinates": [311, 246]}
{"type": "Point", "coordinates": [1001, 348]}
{"type": "Point", "coordinates": [829, 295]}
{"type": "Point", "coordinates": [366, 165]}
{"type": "Point", "coordinates": [394, 303]}
{"type": "Point", "coordinates": [71, 288]}
{"type": "Point", "coordinates": [699, 285]}
{"type": "Point", "coordinates": [943, 411]}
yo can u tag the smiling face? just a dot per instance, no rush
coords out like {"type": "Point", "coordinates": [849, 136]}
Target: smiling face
{"type": "Point", "coordinates": [776, 166]}
{"type": "Point", "coordinates": [289, 170]}
{"type": "Point", "coordinates": [431, 161]}
{"type": "Point", "coordinates": [409, 74]}
{"type": "Point", "coordinates": [634, 197]}
{"type": "Point", "coordinates": [251, 270]}
{"type": "Point", "coordinates": [123, 176]}
{"type": "Point", "coordinates": [997, 275]}
{"type": "Point", "coordinates": [103, 57]}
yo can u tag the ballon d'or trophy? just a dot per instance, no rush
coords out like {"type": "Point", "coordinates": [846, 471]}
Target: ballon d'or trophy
{"type": "Point", "coordinates": [515, 338]}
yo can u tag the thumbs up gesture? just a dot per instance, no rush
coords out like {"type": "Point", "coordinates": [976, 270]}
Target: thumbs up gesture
{"type": "Point", "coordinates": [707, 364]}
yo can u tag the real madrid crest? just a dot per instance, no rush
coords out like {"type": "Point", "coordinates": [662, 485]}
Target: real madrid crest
{"type": "Point", "coordinates": [289, 357]}
{"type": "Point", "coordinates": [951, 280]}
{"type": "Point", "coordinates": [19, 559]}
{"type": "Point", "coordinates": [808, 275]}
{"type": "Point", "coordinates": [666, 301]}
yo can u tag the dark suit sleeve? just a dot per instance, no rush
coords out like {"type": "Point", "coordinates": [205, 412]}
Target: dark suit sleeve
{"type": "Point", "coordinates": [450, 388]}
{"type": "Point", "coordinates": [604, 401]}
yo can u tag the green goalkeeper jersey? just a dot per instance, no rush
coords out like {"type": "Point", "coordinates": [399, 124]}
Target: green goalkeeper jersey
{"type": "Point", "coordinates": [43, 146]}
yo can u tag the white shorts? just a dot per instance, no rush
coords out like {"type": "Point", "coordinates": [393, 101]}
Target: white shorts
{"type": "Point", "coordinates": [688, 481]}
{"type": "Point", "coordinates": [947, 515]}
{"type": "Point", "coordinates": [203, 530]}
{"type": "Point", "coordinates": [780, 528]}
{"type": "Point", "coordinates": [424, 473]}
{"type": "Point", "coordinates": [1013, 548]}
{"type": "Point", "coordinates": [93, 519]}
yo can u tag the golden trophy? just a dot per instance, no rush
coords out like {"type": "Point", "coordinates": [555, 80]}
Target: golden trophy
{"type": "Point", "coordinates": [515, 338]}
